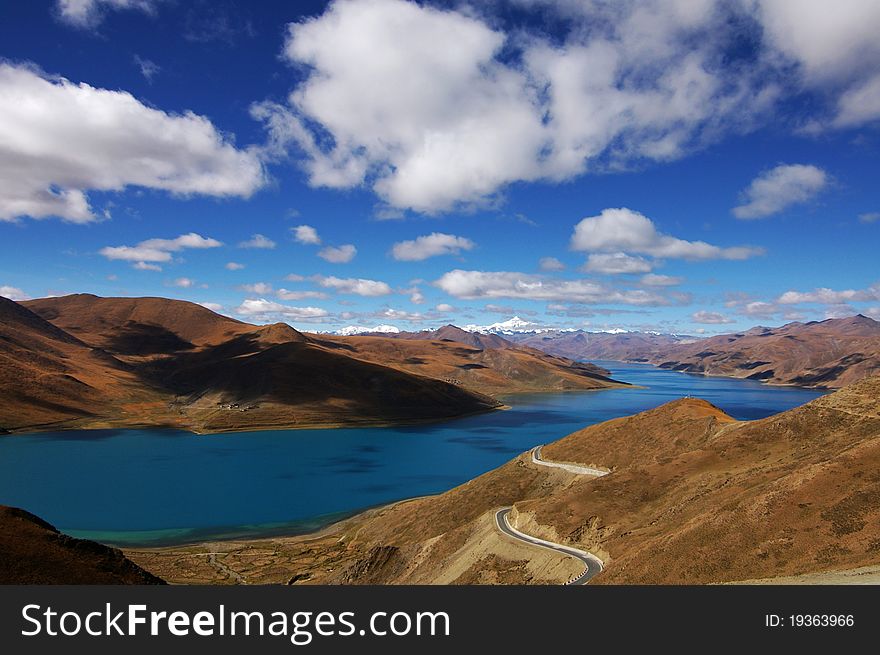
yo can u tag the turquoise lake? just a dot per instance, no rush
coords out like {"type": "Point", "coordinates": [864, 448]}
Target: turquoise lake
{"type": "Point", "coordinates": [159, 487]}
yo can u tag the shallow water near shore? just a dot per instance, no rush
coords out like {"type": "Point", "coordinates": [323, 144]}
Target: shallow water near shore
{"type": "Point", "coordinates": [165, 487]}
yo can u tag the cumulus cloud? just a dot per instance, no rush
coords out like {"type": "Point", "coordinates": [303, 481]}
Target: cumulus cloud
{"type": "Point", "coordinates": [506, 284]}
{"type": "Point", "coordinates": [710, 318]}
{"type": "Point", "coordinates": [641, 85]}
{"type": "Point", "coordinates": [655, 280]}
{"type": "Point", "coordinates": [431, 245]}
{"type": "Point", "coordinates": [213, 306]}
{"type": "Point", "coordinates": [183, 282]}
{"type": "Point", "coordinates": [356, 286]}
{"type": "Point", "coordinates": [550, 264]}
{"type": "Point", "coordinates": [306, 234]}
{"type": "Point", "coordinates": [625, 230]}
{"type": "Point", "coordinates": [259, 242]}
{"type": "Point", "coordinates": [268, 310]}
{"type": "Point", "coordinates": [58, 140]}
{"type": "Point", "coordinates": [233, 266]}
{"type": "Point", "coordinates": [157, 250]}
{"type": "Point", "coordinates": [615, 263]}
{"type": "Point", "coordinates": [13, 293]}
{"type": "Point", "coordinates": [779, 188]}
{"type": "Point", "coordinates": [400, 315]}
{"type": "Point", "coordinates": [870, 217]}
{"type": "Point", "coordinates": [446, 308]}
{"type": "Point", "coordinates": [89, 13]}
{"type": "Point", "coordinates": [826, 296]}
{"type": "Point", "coordinates": [761, 309]}
{"type": "Point", "coordinates": [286, 294]}
{"type": "Point", "coordinates": [257, 288]}
{"type": "Point", "coordinates": [338, 254]}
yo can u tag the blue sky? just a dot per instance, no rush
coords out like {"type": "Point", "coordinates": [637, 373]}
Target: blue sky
{"type": "Point", "coordinates": [688, 166]}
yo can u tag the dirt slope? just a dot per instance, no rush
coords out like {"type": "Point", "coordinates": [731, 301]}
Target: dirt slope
{"type": "Point", "coordinates": [824, 354]}
{"type": "Point", "coordinates": [485, 370]}
{"type": "Point", "coordinates": [34, 552]}
{"type": "Point", "coordinates": [128, 361]}
{"type": "Point", "coordinates": [693, 497]}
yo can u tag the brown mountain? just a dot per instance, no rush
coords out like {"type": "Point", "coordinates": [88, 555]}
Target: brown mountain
{"type": "Point", "coordinates": [490, 370]}
{"type": "Point", "coordinates": [84, 361]}
{"type": "Point", "coordinates": [50, 378]}
{"type": "Point", "coordinates": [171, 363]}
{"type": "Point", "coordinates": [454, 333]}
{"type": "Point", "coordinates": [693, 497]}
{"type": "Point", "coordinates": [823, 354]}
{"type": "Point", "coordinates": [34, 552]}
{"type": "Point", "coordinates": [622, 347]}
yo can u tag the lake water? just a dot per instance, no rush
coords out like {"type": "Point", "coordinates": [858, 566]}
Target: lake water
{"type": "Point", "coordinates": [154, 487]}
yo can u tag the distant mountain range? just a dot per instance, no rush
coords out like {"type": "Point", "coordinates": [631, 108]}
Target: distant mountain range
{"type": "Point", "coordinates": [819, 354]}
{"type": "Point", "coordinates": [82, 361]}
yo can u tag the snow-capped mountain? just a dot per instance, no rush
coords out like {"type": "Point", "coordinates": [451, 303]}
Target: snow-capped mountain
{"type": "Point", "coordinates": [515, 325]}
{"type": "Point", "coordinates": [352, 330]}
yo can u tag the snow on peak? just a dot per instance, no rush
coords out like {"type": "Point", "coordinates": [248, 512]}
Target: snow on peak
{"type": "Point", "coordinates": [352, 330]}
{"type": "Point", "coordinates": [515, 325]}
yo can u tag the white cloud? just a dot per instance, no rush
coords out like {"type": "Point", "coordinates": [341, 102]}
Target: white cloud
{"type": "Point", "coordinates": [619, 230]}
{"type": "Point", "coordinates": [827, 296]}
{"type": "Point", "coordinates": [829, 43]}
{"type": "Point", "coordinates": [213, 306]}
{"type": "Point", "coordinates": [710, 318]}
{"type": "Point", "coordinates": [859, 105]}
{"type": "Point", "coordinates": [550, 264]}
{"type": "Point", "coordinates": [400, 315]}
{"type": "Point", "coordinates": [445, 308]}
{"type": "Point", "coordinates": [88, 13]}
{"type": "Point", "coordinates": [870, 217]}
{"type": "Point", "coordinates": [615, 263]}
{"type": "Point", "coordinates": [157, 250]}
{"type": "Point", "coordinates": [779, 188]}
{"type": "Point", "coordinates": [257, 288]}
{"type": "Point", "coordinates": [835, 50]}
{"type": "Point", "coordinates": [655, 280]}
{"type": "Point", "coordinates": [293, 277]}
{"type": "Point", "coordinates": [416, 297]}
{"type": "Point", "coordinates": [306, 234]}
{"type": "Point", "coordinates": [13, 293]}
{"type": "Point", "coordinates": [356, 286]}
{"type": "Point", "coordinates": [58, 140]}
{"type": "Point", "coordinates": [184, 282]}
{"type": "Point", "coordinates": [233, 266]}
{"type": "Point", "coordinates": [338, 255]}
{"type": "Point", "coordinates": [431, 245]}
{"type": "Point", "coordinates": [761, 309]}
{"type": "Point", "coordinates": [258, 241]}
{"type": "Point", "coordinates": [506, 284]}
{"type": "Point", "coordinates": [643, 83]}
{"type": "Point", "coordinates": [149, 69]}
{"type": "Point", "coordinates": [286, 294]}
{"type": "Point", "coordinates": [267, 310]}
{"type": "Point", "coordinates": [144, 266]}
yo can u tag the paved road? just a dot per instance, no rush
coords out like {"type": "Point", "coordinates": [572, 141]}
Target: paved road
{"type": "Point", "coordinates": [571, 468]}
{"type": "Point", "coordinates": [592, 564]}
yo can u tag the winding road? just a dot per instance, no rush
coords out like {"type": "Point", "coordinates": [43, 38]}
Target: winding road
{"type": "Point", "coordinates": [571, 468]}
{"type": "Point", "coordinates": [592, 564]}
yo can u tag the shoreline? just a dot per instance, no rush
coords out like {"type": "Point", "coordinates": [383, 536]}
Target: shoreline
{"type": "Point", "coordinates": [65, 426]}
{"type": "Point", "coordinates": [329, 529]}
